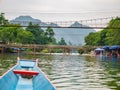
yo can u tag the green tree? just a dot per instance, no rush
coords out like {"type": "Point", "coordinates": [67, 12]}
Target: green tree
{"type": "Point", "coordinates": [93, 39]}
{"type": "Point", "coordinates": [108, 36]}
{"type": "Point", "coordinates": [62, 42]}
{"type": "Point", "coordinates": [7, 34]}
{"type": "Point", "coordinates": [108, 40]}
{"type": "Point", "coordinates": [41, 36]}
{"type": "Point", "coordinates": [25, 37]}
{"type": "Point", "coordinates": [37, 32]}
{"type": "Point", "coordinates": [49, 33]}
{"type": "Point", "coordinates": [3, 21]}
{"type": "Point", "coordinates": [16, 34]}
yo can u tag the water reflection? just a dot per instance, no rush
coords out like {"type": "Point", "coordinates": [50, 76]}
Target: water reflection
{"type": "Point", "coordinates": [74, 72]}
{"type": "Point", "coordinates": [112, 66]}
{"type": "Point", "coordinates": [6, 63]}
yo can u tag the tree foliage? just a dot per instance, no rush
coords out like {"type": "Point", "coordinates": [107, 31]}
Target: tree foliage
{"type": "Point", "coordinates": [108, 36]}
{"type": "Point", "coordinates": [62, 42]}
{"type": "Point", "coordinates": [41, 36]}
{"type": "Point", "coordinates": [15, 35]}
{"type": "Point", "coordinates": [36, 31]}
{"type": "Point", "coordinates": [3, 21]}
{"type": "Point", "coordinates": [33, 34]}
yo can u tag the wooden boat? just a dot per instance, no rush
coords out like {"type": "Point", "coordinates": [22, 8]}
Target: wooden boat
{"type": "Point", "coordinates": [25, 76]}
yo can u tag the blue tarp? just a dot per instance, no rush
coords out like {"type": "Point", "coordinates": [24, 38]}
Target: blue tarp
{"type": "Point", "coordinates": [114, 47]}
{"type": "Point", "coordinates": [106, 47]}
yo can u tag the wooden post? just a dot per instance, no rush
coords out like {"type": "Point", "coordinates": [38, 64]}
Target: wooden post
{"type": "Point", "coordinates": [2, 50]}
{"type": "Point", "coordinates": [49, 50]}
{"type": "Point", "coordinates": [34, 51]}
{"type": "Point", "coordinates": [64, 50]}
{"type": "Point", "coordinates": [27, 50]}
{"type": "Point", "coordinates": [18, 52]}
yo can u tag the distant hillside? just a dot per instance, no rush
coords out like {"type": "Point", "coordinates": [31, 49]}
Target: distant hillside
{"type": "Point", "coordinates": [26, 18]}
{"type": "Point", "coordinates": [77, 24]}
{"type": "Point", "coordinates": [73, 36]}
{"type": "Point", "coordinates": [24, 21]}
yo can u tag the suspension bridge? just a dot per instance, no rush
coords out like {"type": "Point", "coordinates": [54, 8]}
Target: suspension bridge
{"type": "Point", "coordinates": [98, 23]}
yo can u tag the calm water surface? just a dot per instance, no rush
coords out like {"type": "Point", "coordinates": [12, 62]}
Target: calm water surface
{"type": "Point", "coordinates": [73, 72]}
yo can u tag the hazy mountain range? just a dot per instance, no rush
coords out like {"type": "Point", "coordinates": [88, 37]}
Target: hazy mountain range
{"type": "Point", "coordinates": [73, 36]}
{"type": "Point", "coordinates": [24, 21]}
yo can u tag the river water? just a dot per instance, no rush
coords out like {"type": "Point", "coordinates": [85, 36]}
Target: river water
{"type": "Point", "coordinates": [74, 72]}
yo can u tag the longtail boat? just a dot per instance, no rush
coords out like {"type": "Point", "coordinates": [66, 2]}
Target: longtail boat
{"type": "Point", "coordinates": [25, 75]}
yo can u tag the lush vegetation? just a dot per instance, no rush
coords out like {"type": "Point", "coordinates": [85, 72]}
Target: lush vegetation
{"type": "Point", "coordinates": [32, 34]}
{"type": "Point", "coordinates": [108, 36]}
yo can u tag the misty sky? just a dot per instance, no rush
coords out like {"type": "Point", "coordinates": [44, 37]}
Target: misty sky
{"type": "Point", "coordinates": [60, 10]}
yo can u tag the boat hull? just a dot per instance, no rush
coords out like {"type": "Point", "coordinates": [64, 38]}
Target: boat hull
{"type": "Point", "coordinates": [14, 81]}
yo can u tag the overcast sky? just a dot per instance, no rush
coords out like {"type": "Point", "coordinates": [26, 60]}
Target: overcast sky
{"type": "Point", "coordinates": [60, 10]}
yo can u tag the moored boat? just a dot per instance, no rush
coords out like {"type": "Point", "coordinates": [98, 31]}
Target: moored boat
{"type": "Point", "coordinates": [25, 76]}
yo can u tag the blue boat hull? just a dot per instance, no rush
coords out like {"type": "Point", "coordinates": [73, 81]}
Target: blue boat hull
{"type": "Point", "coordinates": [12, 81]}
